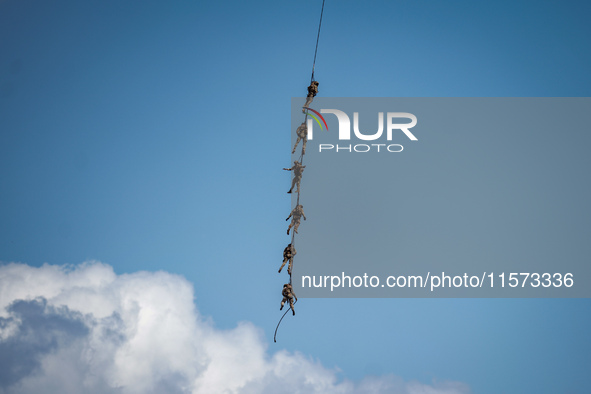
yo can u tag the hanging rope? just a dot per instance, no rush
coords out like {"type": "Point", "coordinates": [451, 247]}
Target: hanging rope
{"type": "Point", "coordinates": [317, 39]}
{"type": "Point", "coordinates": [301, 160]}
{"type": "Point", "coordinates": [276, 328]}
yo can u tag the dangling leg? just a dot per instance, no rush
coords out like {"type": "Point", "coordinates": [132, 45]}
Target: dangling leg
{"type": "Point", "coordinates": [283, 265]}
{"type": "Point", "coordinates": [293, 184]}
{"type": "Point", "coordinates": [298, 183]}
{"type": "Point", "coordinates": [296, 145]}
{"type": "Point", "coordinates": [308, 102]}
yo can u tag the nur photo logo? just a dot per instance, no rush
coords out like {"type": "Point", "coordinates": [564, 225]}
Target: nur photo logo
{"type": "Point", "coordinates": [395, 123]}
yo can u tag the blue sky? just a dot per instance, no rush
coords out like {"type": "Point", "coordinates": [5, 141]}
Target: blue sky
{"type": "Point", "coordinates": [151, 136]}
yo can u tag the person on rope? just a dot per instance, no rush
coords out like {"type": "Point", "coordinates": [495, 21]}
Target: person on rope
{"type": "Point", "coordinates": [297, 169]}
{"type": "Point", "coordinates": [288, 253]}
{"type": "Point", "coordinates": [288, 295]}
{"type": "Point", "coordinates": [302, 133]}
{"type": "Point", "coordinates": [295, 216]}
{"type": "Point", "coordinates": [312, 92]}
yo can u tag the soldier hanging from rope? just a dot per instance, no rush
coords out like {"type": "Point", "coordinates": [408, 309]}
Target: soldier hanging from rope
{"type": "Point", "coordinates": [302, 133]}
{"type": "Point", "coordinates": [298, 169]}
{"type": "Point", "coordinates": [288, 295]}
{"type": "Point", "coordinates": [312, 92]}
{"type": "Point", "coordinates": [295, 216]}
{"type": "Point", "coordinates": [288, 253]}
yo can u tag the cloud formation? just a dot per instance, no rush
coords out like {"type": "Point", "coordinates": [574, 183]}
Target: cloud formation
{"type": "Point", "coordinates": [86, 329]}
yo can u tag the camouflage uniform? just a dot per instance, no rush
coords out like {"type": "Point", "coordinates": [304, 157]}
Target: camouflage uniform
{"type": "Point", "coordinates": [295, 216]}
{"type": "Point", "coordinates": [288, 295]}
{"type": "Point", "coordinates": [312, 92]}
{"type": "Point", "coordinates": [302, 133]}
{"type": "Point", "coordinates": [298, 169]}
{"type": "Point", "coordinates": [288, 254]}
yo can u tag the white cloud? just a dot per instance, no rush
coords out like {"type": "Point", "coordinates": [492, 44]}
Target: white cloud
{"type": "Point", "coordinates": [86, 329]}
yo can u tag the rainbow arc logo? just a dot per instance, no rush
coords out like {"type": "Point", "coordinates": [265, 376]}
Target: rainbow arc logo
{"type": "Point", "coordinates": [316, 119]}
